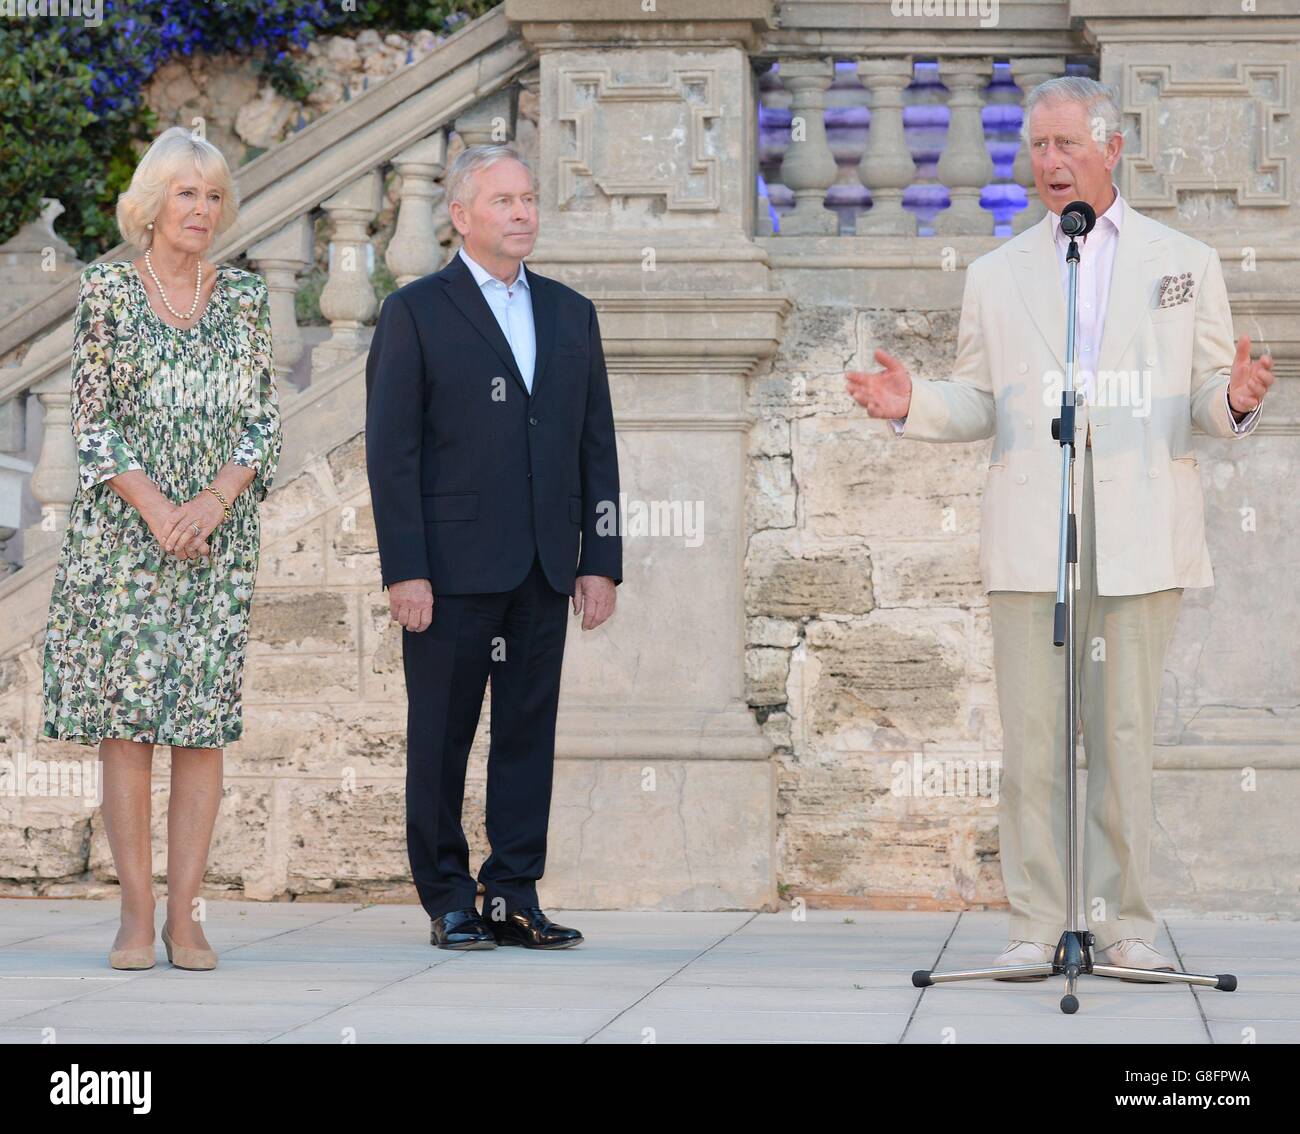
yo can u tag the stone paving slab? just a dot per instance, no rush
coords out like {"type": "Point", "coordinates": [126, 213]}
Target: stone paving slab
{"type": "Point", "coordinates": [330, 973]}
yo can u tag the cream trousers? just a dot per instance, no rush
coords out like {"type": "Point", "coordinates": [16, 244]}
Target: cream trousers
{"type": "Point", "coordinates": [1120, 644]}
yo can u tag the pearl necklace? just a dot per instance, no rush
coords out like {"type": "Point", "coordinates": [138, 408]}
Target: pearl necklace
{"type": "Point", "coordinates": [198, 290]}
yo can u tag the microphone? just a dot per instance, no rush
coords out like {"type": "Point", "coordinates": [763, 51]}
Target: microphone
{"type": "Point", "coordinates": [1078, 218]}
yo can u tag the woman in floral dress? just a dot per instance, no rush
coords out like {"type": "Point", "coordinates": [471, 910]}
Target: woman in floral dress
{"type": "Point", "coordinates": [177, 425]}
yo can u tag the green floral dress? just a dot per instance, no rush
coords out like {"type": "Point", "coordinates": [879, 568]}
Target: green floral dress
{"type": "Point", "coordinates": [141, 645]}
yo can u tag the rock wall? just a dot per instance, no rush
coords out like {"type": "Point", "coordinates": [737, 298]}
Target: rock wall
{"type": "Point", "coordinates": [868, 654]}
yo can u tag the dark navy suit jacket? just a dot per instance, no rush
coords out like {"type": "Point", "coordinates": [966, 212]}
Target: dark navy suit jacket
{"type": "Point", "coordinates": [471, 477]}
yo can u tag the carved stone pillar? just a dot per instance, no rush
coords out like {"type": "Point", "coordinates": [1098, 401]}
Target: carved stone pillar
{"type": "Point", "coordinates": [54, 480]}
{"type": "Point", "coordinates": [414, 250]}
{"type": "Point", "coordinates": [348, 299]}
{"type": "Point", "coordinates": [965, 166]}
{"type": "Point", "coordinates": [886, 168]}
{"type": "Point", "coordinates": [280, 258]}
{"type": "Point", "coordinates": [808, 167]}
{"type": "Point", "coordinates": [14, 471]}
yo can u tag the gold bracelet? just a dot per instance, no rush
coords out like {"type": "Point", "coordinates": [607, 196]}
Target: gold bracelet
{"type": "Point", "coordinates": [225, 507]}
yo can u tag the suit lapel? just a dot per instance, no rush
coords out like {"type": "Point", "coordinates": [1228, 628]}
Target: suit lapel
{"type": "Point", "coordinates": [1129, 298]}
{"type": "Point", "coordinates": [543, 298]}
{"type": "Point", "coordinates": [466, 295]}
{"type": "Point", "coordinates": [1038, 276]}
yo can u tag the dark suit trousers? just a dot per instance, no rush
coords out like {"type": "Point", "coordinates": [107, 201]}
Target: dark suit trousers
{"type": "Point", "coordinates": [517, 639]}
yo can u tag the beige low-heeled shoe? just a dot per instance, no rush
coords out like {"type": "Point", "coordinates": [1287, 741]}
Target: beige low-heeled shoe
{"type": "Point", "coordinates": [184, 957]}
{"type": "Point", "coordinates": [141, 957]}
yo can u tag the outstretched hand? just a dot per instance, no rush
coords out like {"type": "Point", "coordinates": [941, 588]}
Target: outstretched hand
{"type": "Point", "coordinates": [1250, 380]}
{"type": "Point", "coordinates": [884, 393]}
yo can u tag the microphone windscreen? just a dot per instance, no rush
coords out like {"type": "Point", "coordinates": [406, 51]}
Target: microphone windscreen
{"type": "Point", "coordinates": [1078, 218]}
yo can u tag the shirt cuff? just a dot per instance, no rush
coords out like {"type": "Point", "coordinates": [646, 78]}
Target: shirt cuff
{"type": "Point", "coordinates": [1245, 424]}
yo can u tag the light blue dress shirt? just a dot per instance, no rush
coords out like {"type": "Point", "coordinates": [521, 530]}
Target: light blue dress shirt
{"type": "Point", "coordinates": [513, 307]}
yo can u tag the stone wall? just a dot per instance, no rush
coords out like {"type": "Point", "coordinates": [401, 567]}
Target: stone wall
{"type": "Point", "coordinates": [868, 644]}
{"type": "Point", "coordinates": [243, 113]}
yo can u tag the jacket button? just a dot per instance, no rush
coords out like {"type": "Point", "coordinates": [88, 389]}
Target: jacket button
{"type": "Point", "coordinates": [1029, 423]}
{"type": "Point", "coordinates": [1152, 473]}
{"type": "Point", "coordinates": [1021, 478]}
{"type": "Point", "coordinates": [532, 421]}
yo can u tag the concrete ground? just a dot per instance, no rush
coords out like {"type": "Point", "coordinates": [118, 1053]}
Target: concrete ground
{"type": "Point", "coordinates": [326, 973]}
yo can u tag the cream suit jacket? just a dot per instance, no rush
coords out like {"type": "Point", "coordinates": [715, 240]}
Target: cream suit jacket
{"type": "Point", "coordinates": [1172, 366]}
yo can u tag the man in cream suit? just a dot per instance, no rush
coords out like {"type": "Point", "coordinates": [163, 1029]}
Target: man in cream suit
{"type": "Point", "coordinates": [1154, 355]}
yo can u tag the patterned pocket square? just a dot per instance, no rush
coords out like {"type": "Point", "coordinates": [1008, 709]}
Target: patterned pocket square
{"type": "Point", "coordinates": [1175, 290]}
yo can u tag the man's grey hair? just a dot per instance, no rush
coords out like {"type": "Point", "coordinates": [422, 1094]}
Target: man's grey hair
{"type": "Point", "coordinates": [1098, 99]}
{"type": "Point", "coordinates": [459, 182]}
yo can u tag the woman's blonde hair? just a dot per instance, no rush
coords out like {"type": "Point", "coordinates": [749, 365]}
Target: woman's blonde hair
{"type": "Point", "coordinates": [175, 151]}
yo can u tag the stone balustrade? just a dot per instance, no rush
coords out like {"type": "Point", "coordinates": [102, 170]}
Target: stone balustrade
{"type": "Point", "coordinates": [898, 146]}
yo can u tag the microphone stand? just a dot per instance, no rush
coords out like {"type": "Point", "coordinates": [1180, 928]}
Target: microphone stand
{"type": "Point", "coordinates": [1074, 950]}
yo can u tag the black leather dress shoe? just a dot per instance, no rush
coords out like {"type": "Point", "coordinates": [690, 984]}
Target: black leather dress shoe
{"type": "Point", "coordinates": [534, 930]}
{"type": "Point", "coordinates": [461, 929]}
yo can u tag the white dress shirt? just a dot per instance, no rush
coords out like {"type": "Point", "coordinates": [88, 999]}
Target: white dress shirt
{"type": "Point", "coordinates": [512, 305]}
{"type": "Point", "coordinates": [1096, 265]}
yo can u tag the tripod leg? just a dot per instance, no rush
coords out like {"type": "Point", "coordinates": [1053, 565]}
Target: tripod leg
{"type": "Point", "coordinates": [1224, 982]}
{"type": "Point", "coordinates": [923, 979]}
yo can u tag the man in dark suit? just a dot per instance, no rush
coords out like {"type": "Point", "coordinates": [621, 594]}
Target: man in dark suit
{"type": "Point", "coordinates": [494, 479]}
